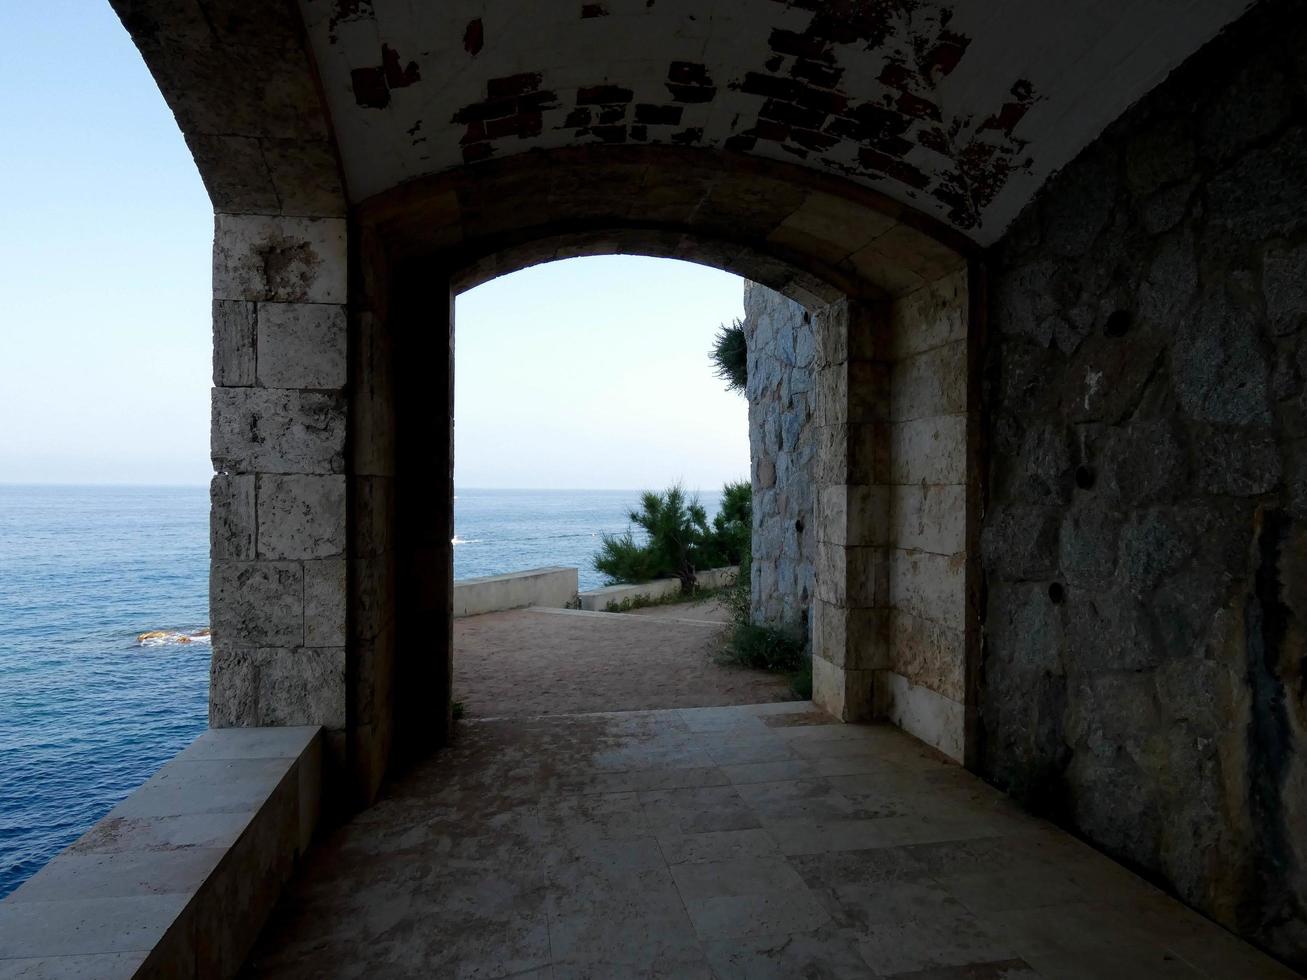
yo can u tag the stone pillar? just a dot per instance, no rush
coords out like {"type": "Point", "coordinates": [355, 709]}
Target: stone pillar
{"type": "Point", "coordinates": [277, 590]}
{"type": "Point", "coordinates": [852, 576]}
{"type": "Point", "coordinates": [780, 340]}
{"type": "Point", "coordinates": [422, 314]}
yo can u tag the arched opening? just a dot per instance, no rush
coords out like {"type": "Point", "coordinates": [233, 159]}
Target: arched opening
{"type": "Point", "coordinates": [891, 309]}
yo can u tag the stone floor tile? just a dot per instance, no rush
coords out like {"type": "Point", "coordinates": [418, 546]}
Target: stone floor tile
{"type": "Point", "coordinates": [717, 846]}
{"type": "Point", "coordinates": [594, 816]}
{"type": "Point", "coordinates": [617, 904]}
{"type": "Point", "coordinates": [805, 799]}
{"type": "Point", "coordinates": [697, 811]}
{"type": "Point", "coordinates": [643, 779]}
{"type": "Point", "coordinates": [728, 749]}
{"type": "Point", "coordinates": [767, 772]}
{"type": "Point", "coordinates": [862, 888]}
{"type": "Point", "coordinates": [1000, 970]}
{"type": "Point", "coordinates": [690, 966]}
{"type": "Point", "coordinates": [736, 718]}
{"type": "Point", "coordinates": [821, 954]}
{"type": "Point", "coordinates": [938, 939]}
{"type": "Point", "coordinates": [746, 896]}
{"type": "Point", "coordinates": [1081, 941]}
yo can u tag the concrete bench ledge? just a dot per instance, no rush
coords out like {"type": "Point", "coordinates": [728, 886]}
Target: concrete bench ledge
{"type": "Point", "coordinates": [553, 586]}
{"type": "Point", "coordinates": [598, 600]}
{"type": "Point", "coordinates": [180, 877]}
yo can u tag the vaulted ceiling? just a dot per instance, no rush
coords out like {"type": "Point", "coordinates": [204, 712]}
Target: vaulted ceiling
{"type": "Point", "coordinates": [960, 109]}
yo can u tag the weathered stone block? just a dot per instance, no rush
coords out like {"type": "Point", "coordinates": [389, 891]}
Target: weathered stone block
{"type": "Point", "coordinates": [231, 517]}
{"type": "Point", "coordinates": [301, 516]}
{"type": "Point", "coordinates": [253, 604]}
{"type": "Point", "coordinates": [1087, 544]}
{"type": "Point", "coordinates": [374, 515]}
{"type": "Point", "coordinates": [933, 382]}
{"type": "Point", "coordinates": [930, 317]}
{"type": "Point", "coordinates": [1021, 542]}
{"type": "Point", "coordinates": [325, 603]}
{"type": "Point", "coordinates": [932, 450]}
{"type": "Point", "coordinates": [301, 686]}
{"type": "Point", "coordinates": [371, 407]}
{"type": "Point", "coordinates": [373, 596]}
{"type": "Point", "coordinates": [857, 639]}
{"type": "Point", "coordinates": [260, 430]}
{"type": "Point", "coordinates": [929, 654]}
{"type": "Point", "coordinates": [1284, 285]}
{"type": "Point", "coordinates": [279, 259]}
{"type": "Point", "coordinates": [928, 518]}
{"type": "Point", "coordinates": [233, 689]}
{"type": "Point", "coordinates": [1238, 462]}
{"type": "Point", "coordinates": [854, 515]}
{"type": "Point", "coordinates": [234, 329]}
{"type": "Point", "coordinates": [1153, 544]}
{"type": "Point", "coordinates": [1145, 462]}
{"type": "Point", "coordinates": [929, 586]}
{"type": "Point", "coordinates": [846, 694]}
{"type": "Point", "coordinates": [301, 345]}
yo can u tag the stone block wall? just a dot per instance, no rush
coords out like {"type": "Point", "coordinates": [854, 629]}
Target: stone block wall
{"type": "Point", "coordinates": [1145, 543]}
{"type": "Point", "coordinates": [279, 497]}
{"type": "Point", "coordinates": [781, 346]}
{"type": "Point", "coordinates": [924, 688]}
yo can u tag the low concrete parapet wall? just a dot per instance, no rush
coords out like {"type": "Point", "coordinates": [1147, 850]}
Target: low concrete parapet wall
{"type": "Point", "coordinates": [179, 879]}
{"type": "Point", "coordinates": [553, 587]}
{"type": "Point", "coordinates": [599, 600]}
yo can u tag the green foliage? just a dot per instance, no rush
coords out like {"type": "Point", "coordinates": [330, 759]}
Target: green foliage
{"type": "Point", "coordinates": [730, 356]}
{"type": "Point", "coordinates": [674, 599]}
{"type": "Point", "coordinates": [775, 648]}
{"type": "Point", "coordinates": [678, 537]}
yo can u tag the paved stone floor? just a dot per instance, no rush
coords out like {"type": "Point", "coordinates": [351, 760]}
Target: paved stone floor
{"type": "Point", "coordinates": [757, 841]}
{"type": "Point", "coordinates": [565, 661]}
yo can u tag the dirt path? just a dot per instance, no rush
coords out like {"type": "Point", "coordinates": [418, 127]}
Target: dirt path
{"type": "Point", "coordinates": [553, 661]}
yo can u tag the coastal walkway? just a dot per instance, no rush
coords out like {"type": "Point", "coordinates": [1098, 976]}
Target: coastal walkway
{"type": "Point", "coordinates": [749, 840]}
{"type": "Point", "coordinates": [754, 841]}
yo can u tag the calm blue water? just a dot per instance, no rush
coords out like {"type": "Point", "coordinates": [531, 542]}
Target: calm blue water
{"type": "Point", "coordinates": [87, 713]}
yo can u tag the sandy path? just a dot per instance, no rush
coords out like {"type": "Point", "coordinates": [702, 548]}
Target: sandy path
{"type": "Point", "coordinates": [549, 661]}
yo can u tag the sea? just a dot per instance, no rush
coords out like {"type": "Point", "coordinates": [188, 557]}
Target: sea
{"type": "Point", "coordinates": [89, 710]}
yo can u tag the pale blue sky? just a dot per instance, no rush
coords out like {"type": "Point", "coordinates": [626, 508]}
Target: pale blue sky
{"type": "Point", "coordinates": [586, 373]}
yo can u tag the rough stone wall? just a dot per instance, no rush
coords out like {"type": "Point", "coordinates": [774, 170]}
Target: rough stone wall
{"type": "Point", "coordinates": [1145, 543]}
{"type": "Point", "coordinates": [277, 594]}
{"type": "Point", "coordinates": [779, 336]}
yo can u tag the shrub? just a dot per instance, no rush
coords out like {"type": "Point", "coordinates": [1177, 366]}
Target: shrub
{"type": "Point", "coordinates": [776, 648]}
{"type": "Point", "coordinates": [678, 538]}
{"type": "Point", "coordinates": [730, 356]}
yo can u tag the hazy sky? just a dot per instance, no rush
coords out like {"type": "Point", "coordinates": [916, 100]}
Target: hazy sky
{"type": "Point", "coordinates": [586, 373]}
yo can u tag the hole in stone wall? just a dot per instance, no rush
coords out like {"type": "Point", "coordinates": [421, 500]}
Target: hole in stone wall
{"type": "Point", "coordinates": [1084, 477]}
{"type": "Point", "coordinates": [1117, 324]}
{"type": "Point", "coordinates": [798, 526]}
{"type": "Point", "coordinates": [807, 317]}
{"type": "Point", "coordinates": [1056, 593]}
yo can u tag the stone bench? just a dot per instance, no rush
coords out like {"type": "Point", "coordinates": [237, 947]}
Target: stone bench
{"type": "Point", "coordinates": [179, 878]}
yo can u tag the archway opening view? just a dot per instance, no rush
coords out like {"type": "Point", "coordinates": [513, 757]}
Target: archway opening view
{"type": "Point", "coordinates": [602, 467]}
